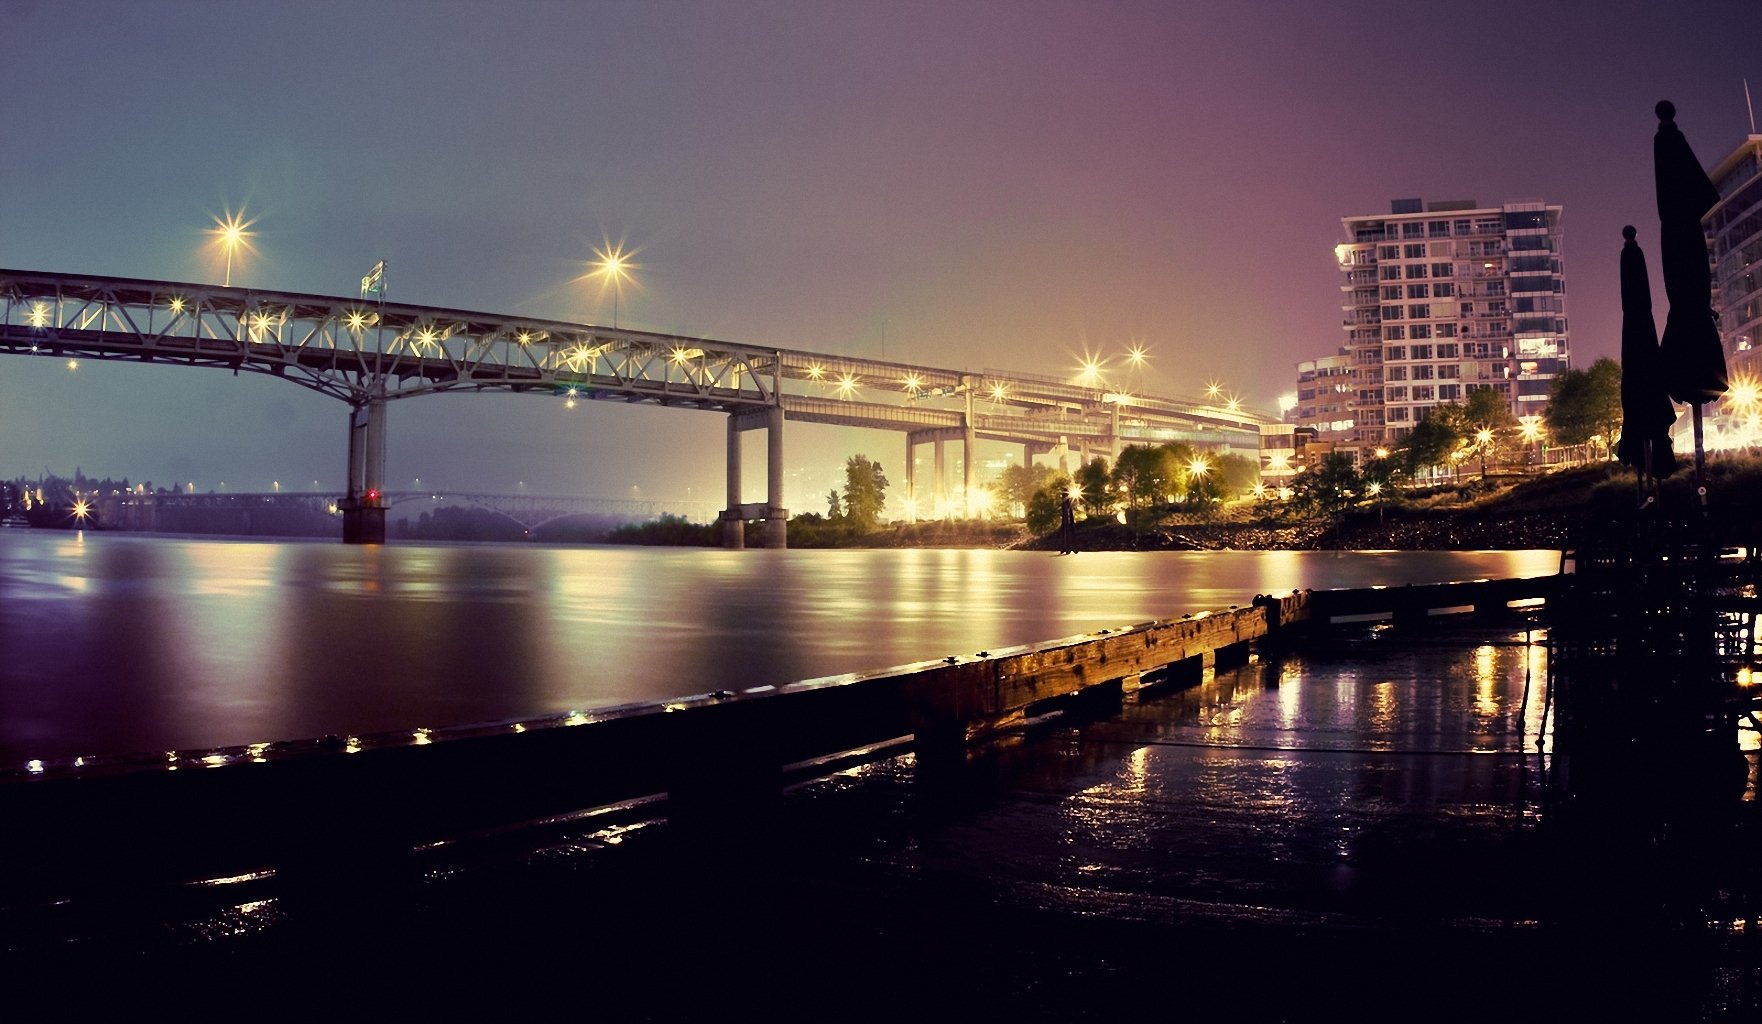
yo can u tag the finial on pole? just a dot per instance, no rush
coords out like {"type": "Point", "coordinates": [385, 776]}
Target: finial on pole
{"type": "Point", "coordinates": [1628, 233]}
{"type": "Point", "coordinates": [1665, 110]}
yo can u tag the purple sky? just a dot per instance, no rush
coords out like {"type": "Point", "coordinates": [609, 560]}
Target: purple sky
{"type": "Point", "coordinates": [984, 184]}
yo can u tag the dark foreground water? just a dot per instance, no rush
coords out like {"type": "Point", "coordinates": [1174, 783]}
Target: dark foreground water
{"type": "Point", "coordinates": [1357, 830]}
{"type": "Point", "coordinates": [114, 644]}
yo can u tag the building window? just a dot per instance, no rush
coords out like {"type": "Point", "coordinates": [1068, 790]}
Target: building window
{"type": "Point", "coordinates": [1413, 229]}
{"type": "Point", "coordinates": [1421, 331]}
{"type": "Point", "coordinates": [1422, 373]}
{"type": "Point", "coordinates": [1389, 272]}
{"type": "Point", "coordinates": [1395, 394]}
{"type": "Point", "coordinates": [1443, 289]}
{"type": "Point", "coordinates": [1418, 291]}
{"type": "Point", "coordinates": [1394, 352]}
{"type": "Point", "coordinates": [1421, 351]}
{"type": "Point", "coordinates": [1415, 271]}
{"type": "Point", "coordinates": [1449, 392]}
{"type": "Point", "coordinates": [1443, 270]}
{"type": "Point", "coordinates": [1425, 394]}
{"type": "Point", "coordinates": [1392, 291]}
{"type": "Point", "coordinates": [1449, 371]}
{"type": "Point", "coordinates": [1393, 312]}
{"type": "Point", "coordinates": [1446, 330]}
{"type": "Point", "coordinates": [1419, 310]}
{"type": "Point", "coordinates": [1462, 227]}
{"type": "Point", "coordinates": [1388, 252]}
{"type": "Point", "coordinates": [1415, 252]}
{"type": "Point", "coordinates": [1399, 414]}
{"type": "Point", "coordinates": [1438, 229]}
{"type": "Point", "coordinates": [1446, 351]}
{"type": "Point", "coordinates": [1396, 333]}
{"type": "Point", "coordinates": [1395, 373]}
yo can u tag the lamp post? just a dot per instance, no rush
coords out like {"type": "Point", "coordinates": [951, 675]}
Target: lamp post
{"type": "Point", "coordinates": [230, 232]}
{"type": "Point", "coordinates": [613, 267]}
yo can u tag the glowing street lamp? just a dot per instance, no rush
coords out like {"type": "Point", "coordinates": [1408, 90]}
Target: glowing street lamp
{"type": "Point", "coordinates": [230, 233]}
{"type": "Point", "coordinates": [613, 268]}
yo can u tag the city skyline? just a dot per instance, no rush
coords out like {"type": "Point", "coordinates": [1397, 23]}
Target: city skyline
{"type": "Point", "coordinates": [1012, 186]}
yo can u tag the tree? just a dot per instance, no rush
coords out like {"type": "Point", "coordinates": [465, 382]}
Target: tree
{"type": "Point", "coordinates": [1329, 485]}
{"type": "Point", "coordinates": [1044, 505]}
{"type": "Point", "coordinates": [1584, 405]}
{"type": "Point", "coordinates": [865, 492]}
{"type": "Point", "coordinates": [1144, 474]}
{"type": "Point", "coordinates": [1236, 474]}
{"type": "Point", "coordinates": [1432, 439]}
{"type": "Point", "coordinates": [834, 508]}
{"type": "Point", "coordinates": [1092, 480]}
{"type": "Point", "coordinates": [1017, 485]}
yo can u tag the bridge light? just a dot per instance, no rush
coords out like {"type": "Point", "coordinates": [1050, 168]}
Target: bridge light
{"type": "Point", "coordinates": [913, 383]}
{"type": "Point", "coordinates": [1136, 355]}
{"type": "Point", "coordinates": [814, 372]}
{"type": "Point", "coordinates": [1213, 389]}
{"type": "Point", "coordinates": [73, 365]}
{"type": "Point", "coordinates": [998, 391]}
{"type": "Point", "coordinates": [847, 385]}
{"type": "Point", "coordinates": [176, 305]}
{"type": "Point", "coordinates": [39, 315]}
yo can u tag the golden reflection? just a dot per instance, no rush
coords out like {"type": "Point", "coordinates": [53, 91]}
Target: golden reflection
{"type": "Point", "coordinates": [352, 745]}
{"type": "Point", "coordinates": [1383, 709]}
{"type": "Point", "coordinates": [421, 737]}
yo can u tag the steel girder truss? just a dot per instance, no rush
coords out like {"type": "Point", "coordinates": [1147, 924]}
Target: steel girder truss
{"type": "Point", "coordinates": [361, 349]}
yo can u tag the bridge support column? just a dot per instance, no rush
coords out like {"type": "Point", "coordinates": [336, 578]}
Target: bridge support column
{"type": "Point", "coordinates": [733, 523]}
{"type": "Point", "coordinates": [911, 479]}
{"type": "Point", "coordinates": [969, 477]}
{"type": "Point", "coordinates": [777, 523]}
{"type": "Point", "coordinates": [363, 507]}
{"type": "Point", "coordinates": [940, 481]}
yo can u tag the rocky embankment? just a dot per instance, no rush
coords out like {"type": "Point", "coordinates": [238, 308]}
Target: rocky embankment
{"type": "Point", "coordinates": [1407, 531]}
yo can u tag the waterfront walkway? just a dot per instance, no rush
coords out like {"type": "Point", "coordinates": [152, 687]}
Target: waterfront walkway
{"type": "Point", "coordinates": [1350, 833]}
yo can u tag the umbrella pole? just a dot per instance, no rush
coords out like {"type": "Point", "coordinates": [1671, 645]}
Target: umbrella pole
{"type": "Point", "coordinates": [1700, 461]}
{"type": "Point", "coordinates": [1643, 480]}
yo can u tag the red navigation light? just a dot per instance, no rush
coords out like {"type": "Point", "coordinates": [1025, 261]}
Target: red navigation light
{"type": "Point", "coordinates": [373, 494]}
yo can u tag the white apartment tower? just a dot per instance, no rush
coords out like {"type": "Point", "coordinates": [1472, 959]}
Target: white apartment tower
{"type": "Point", "coordinates": [1734, 227]}
{"type": "Point", "coordinates": [1441, 299]}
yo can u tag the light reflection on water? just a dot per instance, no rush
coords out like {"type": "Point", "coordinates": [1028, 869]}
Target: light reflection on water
{"type": "Point", "coordinates": [118, 643]}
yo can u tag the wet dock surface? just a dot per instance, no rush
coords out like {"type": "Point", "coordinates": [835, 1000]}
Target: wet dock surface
{"type": "Point", "coordinates": [1353, 832]}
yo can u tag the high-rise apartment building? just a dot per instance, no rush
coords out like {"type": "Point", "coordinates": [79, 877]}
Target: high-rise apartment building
{"type": "Point", "coordinates": [1734, 228]}
{"type": "Point", "coordinates": [1444, 298]}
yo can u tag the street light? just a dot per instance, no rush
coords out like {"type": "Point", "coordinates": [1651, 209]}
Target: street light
{"type": "Point", "coordinates": [231, 232]}
{"type": "Point", "coordinates": [613, 268]}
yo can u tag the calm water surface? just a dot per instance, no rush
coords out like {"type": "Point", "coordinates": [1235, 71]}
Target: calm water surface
{"type": "Point", "coordinates": [114, 644]}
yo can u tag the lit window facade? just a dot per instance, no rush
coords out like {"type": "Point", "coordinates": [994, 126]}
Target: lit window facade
{"type": "Point", "coordinates": [1495, 289]}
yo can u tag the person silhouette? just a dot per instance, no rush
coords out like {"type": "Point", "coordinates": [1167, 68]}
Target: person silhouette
{"type": "Point", "coordinates": [1067, 527]}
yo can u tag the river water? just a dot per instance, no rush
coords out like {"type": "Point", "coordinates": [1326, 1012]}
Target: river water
{"type": "Point", "coordinates": [113, 644]}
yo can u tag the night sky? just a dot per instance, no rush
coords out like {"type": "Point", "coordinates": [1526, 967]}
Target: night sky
{"type": "Point", "coordinates": [972, 185]}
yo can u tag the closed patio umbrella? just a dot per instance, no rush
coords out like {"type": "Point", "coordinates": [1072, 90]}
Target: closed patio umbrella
{"type": "Point", "coordinates": [1691, 361]}
{"type": "Point", "coordinates": [1646, 412]}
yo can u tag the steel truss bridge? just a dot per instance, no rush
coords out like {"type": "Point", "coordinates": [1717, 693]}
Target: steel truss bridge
{"type": "Point", "coordinates": [367, 352]}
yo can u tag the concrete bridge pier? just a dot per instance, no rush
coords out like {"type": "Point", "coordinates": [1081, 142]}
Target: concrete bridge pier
{"type": "Point", "coordinates": [911, 478]}
{"type": "Point", "coordinates": [363, 506]}
{"type": "Point", "coordinates": [775, 516]}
